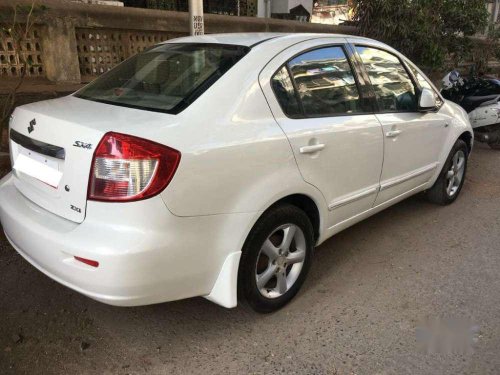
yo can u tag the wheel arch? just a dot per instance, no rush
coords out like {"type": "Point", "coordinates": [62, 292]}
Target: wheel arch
{"type": "Point", "coordinates": [467, 137]}
{"type": "Point", "coordinates": [306, 204]}
{"type": "Point", "coordinates": [462, 134]}
{"type": "Point", "coordinates": [225, 289]}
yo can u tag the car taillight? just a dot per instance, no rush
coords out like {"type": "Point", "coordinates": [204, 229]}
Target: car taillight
{"type": "Point", "coordinates": [127, 168]}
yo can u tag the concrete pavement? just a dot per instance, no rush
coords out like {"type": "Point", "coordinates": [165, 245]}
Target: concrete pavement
{"type": "Point", "coordinates": [358, 312]}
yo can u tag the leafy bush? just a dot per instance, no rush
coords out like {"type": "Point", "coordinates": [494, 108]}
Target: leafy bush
{"type": "Point", "coordinates": [427, 31]}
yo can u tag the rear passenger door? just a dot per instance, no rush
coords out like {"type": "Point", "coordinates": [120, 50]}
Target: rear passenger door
{"type": "Point", "coordinates": [413, 139]}
{"type": "Point", "coordinates": [317, 99]}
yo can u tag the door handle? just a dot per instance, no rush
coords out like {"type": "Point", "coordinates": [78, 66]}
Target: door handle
{"type": "Point", "coordinates": [311, 149]}
{"type": "Point", "coordinates": [393, 133]}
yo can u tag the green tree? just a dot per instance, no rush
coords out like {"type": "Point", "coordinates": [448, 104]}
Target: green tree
{"type": "Point", "coordinates": [488, 49]}
{"type": "Point", "coordinates": [427, 31]}
{"type": "Point", "coordinates": [18, 25]}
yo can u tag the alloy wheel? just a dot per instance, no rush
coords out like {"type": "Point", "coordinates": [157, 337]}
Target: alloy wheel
{"type": "Point", "coordinates": [280, 260]}
{"type": "Point", "coordinates": [455, 174]}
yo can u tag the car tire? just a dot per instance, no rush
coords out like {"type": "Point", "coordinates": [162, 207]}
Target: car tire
{"type": "Point", "coordinates": [451, 179]}
{"type": "Point", "coordinates": [276, 258]}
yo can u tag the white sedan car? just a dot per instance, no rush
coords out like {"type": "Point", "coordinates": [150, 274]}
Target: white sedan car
{"type": "Point", "coordinates": [213, 165]}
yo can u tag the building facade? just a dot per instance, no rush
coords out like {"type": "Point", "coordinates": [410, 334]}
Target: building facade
{"type": "Point", "coordinates": [331, 12]}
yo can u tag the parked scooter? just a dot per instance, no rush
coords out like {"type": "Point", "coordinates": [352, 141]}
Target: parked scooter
{"type": "Point", "coordinates": [480, 97]}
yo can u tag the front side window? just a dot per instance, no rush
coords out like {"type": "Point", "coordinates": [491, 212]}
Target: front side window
{"type": "Point", "coordinates": [325, 83]}
{"type": "Point", "coordinates": [165, 78]}
{"type": "Point", "coordinates": [422, 81]}
{"type": "Point", "coordinates": [393, 86]}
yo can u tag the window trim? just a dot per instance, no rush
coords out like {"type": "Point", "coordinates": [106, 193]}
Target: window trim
{"type": "Point", "coordinates": [366, 75]}
{"type": "Point", "coordinates": [295, 93]}
{"type": "Point", "coordinates": [348, 55]}
{"type": "Point", "coordinates": [364, 80]}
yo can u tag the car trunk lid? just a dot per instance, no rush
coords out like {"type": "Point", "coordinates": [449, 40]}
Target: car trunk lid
{"type": "Point", "coordinates": [51, 160]}
{"type": "Point", "coordinates": [52, 145]}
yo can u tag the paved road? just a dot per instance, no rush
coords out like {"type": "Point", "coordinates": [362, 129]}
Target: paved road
{"type": "Point", "coordinates": [358, 313]}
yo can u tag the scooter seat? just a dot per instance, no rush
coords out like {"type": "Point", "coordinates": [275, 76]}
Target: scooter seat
{"type": "Point", "coordinates": [470, 103]}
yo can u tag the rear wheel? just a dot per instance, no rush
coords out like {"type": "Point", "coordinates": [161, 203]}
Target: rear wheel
{"type": "Point", "coordinates": [452, 177]}
{"type": "Point", "coordinates": [276, 258]}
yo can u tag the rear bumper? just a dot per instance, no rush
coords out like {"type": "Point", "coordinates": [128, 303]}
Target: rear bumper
{"type": "Point", "coordinates": [146, 255]}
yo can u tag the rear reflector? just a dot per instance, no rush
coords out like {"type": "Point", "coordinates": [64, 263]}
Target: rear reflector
{"type": "Point", "coordinates": [92, 263]}
{"type": "Point", "coordinates": [127, 168]}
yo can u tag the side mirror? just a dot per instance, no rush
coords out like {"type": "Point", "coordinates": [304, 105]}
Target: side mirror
{"type": "Point", "coordinates": [427, 101]}
{"type": "Point", "coordinates": [454, 76]}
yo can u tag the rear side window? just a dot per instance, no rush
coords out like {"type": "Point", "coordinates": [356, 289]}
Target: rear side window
{"type": "Point", "coordinates": [324, 82]}
{"type": "Point", "coordinates": [285, 93]}
{"type": "Point", "coordinates": [165, 78]}
{"type": "Point", "coordinates": [393, 86]}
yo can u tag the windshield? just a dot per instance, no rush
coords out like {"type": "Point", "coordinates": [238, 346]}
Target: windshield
{"type": "Point", "coordinates": [165, 78]}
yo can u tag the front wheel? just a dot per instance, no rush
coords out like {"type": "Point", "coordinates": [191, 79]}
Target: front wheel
{"type": "Point", "coordinates": [451, 179]}
{"type": "Point", "coordinates": [275, 258]}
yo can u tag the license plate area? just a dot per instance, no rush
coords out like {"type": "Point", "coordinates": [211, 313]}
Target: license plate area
{"type": "Point", "coordinates": [41, 167]}
{"type": "Point", "coordinates": [36, 160]}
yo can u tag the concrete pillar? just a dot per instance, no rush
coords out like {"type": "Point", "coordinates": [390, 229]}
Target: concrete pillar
{"type": "Point", "coordinates": [59, 51]}
{"type": "Point", "coordinates": [496, 10]}
{"type": "Point", "coordinates": [264, 8]}
{"type": "Point", "coordinates": [261, 8]}
{"type": "Point", "coordinates": [196, 23]}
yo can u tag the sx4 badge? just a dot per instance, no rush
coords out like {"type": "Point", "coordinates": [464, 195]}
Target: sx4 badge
{"type": "Point", "coordinates": [87, 146]}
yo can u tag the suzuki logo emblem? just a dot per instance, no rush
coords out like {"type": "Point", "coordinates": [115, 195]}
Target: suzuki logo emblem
{"type": "Point", "coordinates": [32, 126]}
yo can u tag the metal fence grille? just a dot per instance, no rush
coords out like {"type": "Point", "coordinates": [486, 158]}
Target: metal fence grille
{"type": "Point", "coordinates": [28, 57]}
{"type": "Point", "coordinates": [99, 50]}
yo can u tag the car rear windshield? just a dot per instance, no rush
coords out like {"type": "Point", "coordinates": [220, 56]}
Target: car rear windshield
{"type": "Point", "coordinates": [166, 78]}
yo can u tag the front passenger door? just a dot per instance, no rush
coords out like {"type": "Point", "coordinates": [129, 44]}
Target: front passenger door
{"type": "Point", "coordinates": [412, 140]}
{"type": "Point", "coordinates": [315, 97]}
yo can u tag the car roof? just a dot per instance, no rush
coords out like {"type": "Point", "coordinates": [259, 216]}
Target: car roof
{"type": "Point", "coordinates": [252, 39]}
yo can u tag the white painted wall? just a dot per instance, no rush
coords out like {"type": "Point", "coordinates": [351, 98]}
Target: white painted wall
{"type": "Point", "coordinates": [284, 6]}
{"type": "Point", "coordinates": [279, 6]}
